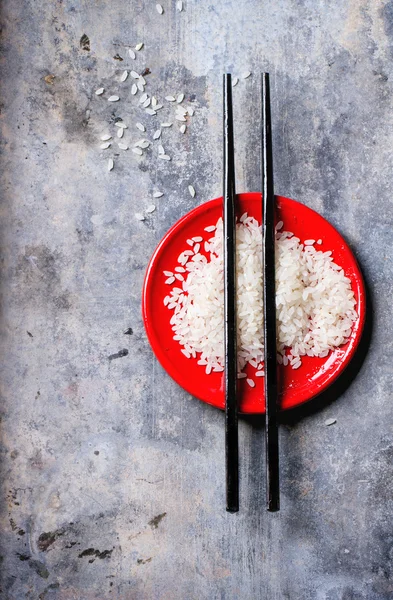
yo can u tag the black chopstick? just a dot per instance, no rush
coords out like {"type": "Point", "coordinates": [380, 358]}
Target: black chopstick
{"type": "Point", "coordinates": [269, 302]}
{"type": "Point", "coordinates": [231, 409]}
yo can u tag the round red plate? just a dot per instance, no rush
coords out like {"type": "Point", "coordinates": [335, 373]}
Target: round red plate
{"type": "Point", "coordinates": [297, 386]}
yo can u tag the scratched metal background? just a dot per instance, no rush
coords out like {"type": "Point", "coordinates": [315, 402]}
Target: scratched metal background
{"type": "Point", "coordinates": [112, 477]}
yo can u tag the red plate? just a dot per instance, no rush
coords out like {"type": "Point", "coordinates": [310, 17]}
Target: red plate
{"type": "Point", "coordinates": [297, 386]}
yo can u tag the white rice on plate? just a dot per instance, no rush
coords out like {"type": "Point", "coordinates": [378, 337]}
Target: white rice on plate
{"type": "Point", "coordinates": [314, 300]}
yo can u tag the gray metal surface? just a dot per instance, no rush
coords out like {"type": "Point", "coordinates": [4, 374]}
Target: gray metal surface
{"type": "Point", "coordinates": [112, 477]}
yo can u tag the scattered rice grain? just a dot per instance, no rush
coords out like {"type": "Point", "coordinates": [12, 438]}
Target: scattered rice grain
{"type": "Point", "coordinates": [142, 143]}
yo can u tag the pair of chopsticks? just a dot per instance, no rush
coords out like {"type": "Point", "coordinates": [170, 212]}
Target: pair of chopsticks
{"type": "Point", "coordinates": [269, 299]}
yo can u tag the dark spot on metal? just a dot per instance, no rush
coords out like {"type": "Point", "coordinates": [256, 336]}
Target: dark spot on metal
{"type": "Point", "coordinates": [49, 79]}
{"type": "Point", "coordinates": [21, 532]}
{"type": "Point", "coordinates": [46, 539]}
{"type": "Point", "coordinates": [23, 557]}
{"type": "Point", "coordinates": [95, 554]}
{"type": "Point", "coordinates": [381, 76]}
{"type": "Point", "coordinates": [142, 561]}
{"type": "Point", "coordinates": [117, 57]}
{"type": "Point", "coordinates": [105, 554]}
{"type": "Point", "coordinates": [87, 552]}
{"type": "Point", "coordinates": [70, 545]}
{"type": "Point", "coordinates": [84, 236]}
{"type": "Point", "coordinates": [13, 524]}
{"type": "Point", "coordinates": [128, 331]}
{"type": "Point", "coordinates": [84, 43]}
{"type": "Point", "coordinates": [62, 301]}
{"type": "Point", "coordinates": [39, 568]}
{"type": "Point", "coordinates": [146, 72]}
{"type": "Point", "coordinates": [29, 334]}
{"type": "Point", "coordinates": [38, 394]}
{"type": "Point", "coordinates": [14, 454]}
{"type": "Point", "coordinates": [120, 354]}
{"type": "Point", "coordinates": [155, 521]}
{"type": "Point", "coordinates": [96, 452]}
